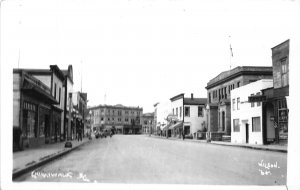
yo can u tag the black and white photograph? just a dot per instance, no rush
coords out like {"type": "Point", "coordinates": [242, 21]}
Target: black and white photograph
{"type": "Point", "coordinates": [144, 94]}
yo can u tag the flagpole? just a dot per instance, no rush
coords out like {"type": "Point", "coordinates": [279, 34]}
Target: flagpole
{"type": "Point", "coordinates": [230, 52]}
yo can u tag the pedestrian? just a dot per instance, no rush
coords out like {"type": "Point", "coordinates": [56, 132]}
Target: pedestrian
{"type": "Point", "coordinates": [182, 135]}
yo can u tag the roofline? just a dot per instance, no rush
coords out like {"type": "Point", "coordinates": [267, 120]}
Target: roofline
{"type": "Point", "coordinates": [114, 107]}
{"type": "Point", "coordinates": [239, 73]}
{"type": "Point", "coordinates": [288, 40]}
{"type": "Point", "coordinates": [177, 97]}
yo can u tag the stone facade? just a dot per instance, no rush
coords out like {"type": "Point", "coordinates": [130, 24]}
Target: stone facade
{"type": "Point", "coordinates": [218, 93]}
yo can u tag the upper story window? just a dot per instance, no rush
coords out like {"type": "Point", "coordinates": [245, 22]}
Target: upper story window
{"type": "Point", "coordinates": [200, 111]}
{"type": "Point", "coordinates": [187, 111]}
{"type": "Point", "coordinates": [173, 111]}
{"type": "Point", "coordinates": [59, 91]}
{"type": "Point", "coordinates": [238, 103]}
{"type": "Point", "coordinates": [176, 111]}
{"type": "Point", "coordinates": [284, 72]}
{"type": "Point", "coordinates": [233, 104]}
{"type": "Point", "coordinates": [180, 111]}
{"type": "Point", "coordinates": [54, 90]}
{"type": "Point", "coordinates": [258, 103]}
{"type": "Point", "coordinates": [238, 84]}
{"type": "Point", "coordinates": [252, 103]}
{"type": "Point", "coordinates": [119, 112]}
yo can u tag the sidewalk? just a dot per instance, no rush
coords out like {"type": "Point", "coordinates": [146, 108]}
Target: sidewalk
{"type": "Point", "coordinates": [272, 147]}
{"type": "Point", "coordinates": [28, 159]}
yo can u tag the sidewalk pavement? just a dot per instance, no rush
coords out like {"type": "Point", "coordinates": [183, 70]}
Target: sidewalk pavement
{"type": "Point", "coordinates": [271, 147]}
{"type": "Point", "coordinates": [29, 159]}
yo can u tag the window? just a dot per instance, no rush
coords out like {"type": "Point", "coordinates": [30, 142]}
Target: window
{"type": "Point", "coordinates": [238, 103]}
{"type": "Point", "coordinates": [173, 111]}
{"type": "Point", "coordinates": [176, 111]}
{"type": "Point", "coordinates": [236, 125]}
{"type": "Point", "coordinates": [233, 104]}
{"type": "Point", "coordinates": [145, 122]}
{"type": "Point", "coordinates": [238, 84]}
{"type": "Point", "coordinates": [200, 111]}
{"type": "Point", "coordinates": [225, 92]}
{"type": "Point", "coordinates": [255, 124]}
{"type": "Point", "coordinates": [258, 103]}
{"type": "Point", "coordinates": [180, 111]}
{"type": "Point", "coordinates": [252, 103]}
{"type": "Point", "coordinates": [101, 118]}
{"type": "Point", "coordinates": [59, 95]}
{"type": "Point", "coordinates": [54, 91]}
{"type": "Point", "coordinates": [209, 98]}
{"type": "Point", "coordinates": [187, 111]}
{"type": "Point", "coordinates": [284, 72]}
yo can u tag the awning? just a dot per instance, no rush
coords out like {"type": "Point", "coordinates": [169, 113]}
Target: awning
{"type": "Point", "coordinates": [166, 127]}
{"type": "Point", "coordinates": [36, 88]}
{"type": "Point", "coordinates": [177, 125]}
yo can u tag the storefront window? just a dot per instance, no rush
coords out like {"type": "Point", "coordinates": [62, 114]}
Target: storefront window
{"type": "Point", "coordinates": [29, 118]}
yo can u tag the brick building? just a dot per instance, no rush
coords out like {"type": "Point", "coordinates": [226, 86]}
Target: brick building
{"type": "Point", "coordinates": [218, 93]}
{"type": "Point", "coordinates": [122, 119]}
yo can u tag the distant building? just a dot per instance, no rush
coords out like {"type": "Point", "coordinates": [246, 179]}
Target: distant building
{"type": "Point", "coordinates": [79, 100]}
{"type": "Point", "coordinates": [188, 116]}
{"type": "Point", "coordinates": [147, 123]}
{"type": "Point", "coordinates": [68, 107]}
{"type": "Point", "coordinates": [163, 109]}
{"type": "Point", "coordinates": [156, 129]}
{"type": "Point", "coordinates": [219, 96]}
{"type": "Point", "coordinates": [250, 119]}
{"type": "Point", "coordinates": [122, 119]}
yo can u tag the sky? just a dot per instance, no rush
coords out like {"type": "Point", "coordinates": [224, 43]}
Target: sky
{"type": "Point", "coordinates": [140, 52]}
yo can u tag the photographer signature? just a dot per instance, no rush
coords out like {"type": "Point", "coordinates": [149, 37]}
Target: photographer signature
{"type": "Point", "coordinates": [265, 167]}
{"type": "Point", "coordinates": [70, 175]}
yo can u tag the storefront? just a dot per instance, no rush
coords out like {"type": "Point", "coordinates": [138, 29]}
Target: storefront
{"type": "Point", "coordinates": [35, 117]}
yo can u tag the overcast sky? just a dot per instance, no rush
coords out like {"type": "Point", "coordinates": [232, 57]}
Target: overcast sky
{"type": "Point", "coordinates": [139, 52]}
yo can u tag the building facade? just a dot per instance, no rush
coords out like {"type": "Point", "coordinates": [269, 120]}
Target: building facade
{"type": "Point", "coordinates": [68, 106]}
{"type": "Point", "coordinates": [147, 121]}
{"type": "Point", "coordinates": [188, 116]}
{"type": "Point", "coordinates": [219, 96]}
{"type": "Point", "coordinates": [250, 120]}
{"type": "Point", "coordinates": [122, 119]}
{"type": "Point", "coordinates": [54, 79]}
{"type": "Point", "coordinates": [278, 96]}
{"type": "Point", "coordinates": [79, 101]}
{"type": "Point", "coordinates": [33, 103]}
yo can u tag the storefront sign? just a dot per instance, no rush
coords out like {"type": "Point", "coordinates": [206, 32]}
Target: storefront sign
{"type": "Point", "coordinates": [283, 115]}
{"type": "Point", "coordinates": [256, 98]}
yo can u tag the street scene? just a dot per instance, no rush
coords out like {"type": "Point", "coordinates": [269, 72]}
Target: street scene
{"type": "Point", "coordinates": [151, 159]}
{"type": "Point", "coordinates": [149, 92]}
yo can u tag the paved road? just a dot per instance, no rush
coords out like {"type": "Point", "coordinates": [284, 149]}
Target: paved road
{"type": "Point", "coordinates": [141, 159]}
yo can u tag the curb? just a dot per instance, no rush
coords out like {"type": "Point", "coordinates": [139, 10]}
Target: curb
{"type": "Point", "coordinates": [45, 161]}
{"type": "Point", "coordinates": [232, 145]}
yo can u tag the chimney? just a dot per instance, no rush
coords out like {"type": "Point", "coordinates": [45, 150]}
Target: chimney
{"type": "Point", "coordinates": [192, 96]}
